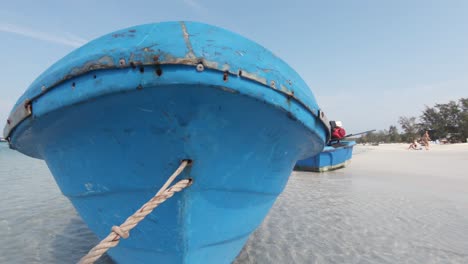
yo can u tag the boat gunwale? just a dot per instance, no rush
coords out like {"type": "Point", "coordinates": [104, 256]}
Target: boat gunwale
{"type": "Point", "coordinates": [348, 144]}
{"type": "Point", "coordinates": [315, 132]}
{"type": "Point", "coordinates": [18, 115]}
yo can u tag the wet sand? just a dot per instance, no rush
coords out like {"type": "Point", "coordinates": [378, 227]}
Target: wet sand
{"type": "Point", "coordinates": [390, 205]}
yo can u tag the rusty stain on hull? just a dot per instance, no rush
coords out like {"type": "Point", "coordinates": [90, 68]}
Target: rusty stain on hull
{"type": "Point", "coordinates": [254, 77]}
{"type": "Point", "coordinates": [104, 62]}
{"type": "Point", "coordinates": [20, 113]}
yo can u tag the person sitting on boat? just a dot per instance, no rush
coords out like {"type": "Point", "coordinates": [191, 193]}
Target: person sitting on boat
{"type": "Point", "coordinates": [337, 131]}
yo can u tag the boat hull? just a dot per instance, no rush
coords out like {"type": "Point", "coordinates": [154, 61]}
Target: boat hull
{"type": "Point", "coordinates": [331, 158]}
{"type": "Point", "coordinates": [115, 118]}
{"type": "Point", "coordinates": [137, 139]}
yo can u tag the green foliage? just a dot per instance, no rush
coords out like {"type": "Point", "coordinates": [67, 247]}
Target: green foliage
{"type": "Point", "coordinates": [393, 135]}
{"type": "Point", "coordinates": [410, 127]}
{"type": "Point", "coordinates": [464, 117]}
{"type": "Point", "coordinates": [443, 121]}
{"type": "Point", "coordinates": [447, 120]}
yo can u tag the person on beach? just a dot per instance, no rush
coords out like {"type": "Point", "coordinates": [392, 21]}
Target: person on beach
{"type": "Point", "coordinates": [426, 139]}
{"type": "Point", "coordinates": [413, 145]}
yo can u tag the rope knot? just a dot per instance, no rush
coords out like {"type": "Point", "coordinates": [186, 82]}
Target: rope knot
{"type": "Point", "coordinates": [120, 232]}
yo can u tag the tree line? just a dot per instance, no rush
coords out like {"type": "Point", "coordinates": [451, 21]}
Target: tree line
{"type": "Point", "coordinates": [445, 122]}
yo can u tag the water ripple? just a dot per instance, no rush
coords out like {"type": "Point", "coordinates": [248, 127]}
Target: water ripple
{"type": "Point", "coordinates": [336, 217]}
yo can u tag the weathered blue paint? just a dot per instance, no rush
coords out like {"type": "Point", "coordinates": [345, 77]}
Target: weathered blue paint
{"type": "Point", "coordinates": [115, 117]}
{"type": "Point", "coordinates": [331, 158]}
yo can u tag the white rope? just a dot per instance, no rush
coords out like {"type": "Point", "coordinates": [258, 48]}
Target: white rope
{"type": "Point", "coordinates": [123, 230]}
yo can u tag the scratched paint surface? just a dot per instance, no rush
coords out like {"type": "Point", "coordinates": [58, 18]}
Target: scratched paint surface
{"type": "Point", "coordinates": [183, 43]}
{"type": "Point", "coordinates": [173, 43]}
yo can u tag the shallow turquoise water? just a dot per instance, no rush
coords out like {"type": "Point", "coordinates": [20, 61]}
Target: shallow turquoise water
{"type": "Point", "coordinates": [348, 216]}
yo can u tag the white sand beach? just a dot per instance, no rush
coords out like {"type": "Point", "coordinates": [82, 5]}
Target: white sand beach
{"type": "Point", "coordinates": [448, 161]}
{"type": "Point", "coordinates": [390, 205]}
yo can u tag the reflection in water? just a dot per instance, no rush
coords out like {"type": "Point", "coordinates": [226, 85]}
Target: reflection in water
{"type": "Point", "coordinates": [335, 217]}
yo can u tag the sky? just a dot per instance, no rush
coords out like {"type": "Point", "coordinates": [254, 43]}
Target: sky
{"type": "Point", "coordinates": [367, 62]}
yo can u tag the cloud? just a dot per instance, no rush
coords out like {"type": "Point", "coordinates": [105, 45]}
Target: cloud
{"type": "Point", "coordinates": [68, 39]}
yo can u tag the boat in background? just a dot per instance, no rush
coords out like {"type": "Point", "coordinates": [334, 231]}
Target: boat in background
{"type": "Point", "coordinates": [114, 118]}
{"type": "Point", "coordinates": [335, 156]}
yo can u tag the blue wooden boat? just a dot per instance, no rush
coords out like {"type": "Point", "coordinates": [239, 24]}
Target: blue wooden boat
{"type": "Point", "coordinates": [115, 117]}
{"type": "Point", "coordinates": [335, 156]}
